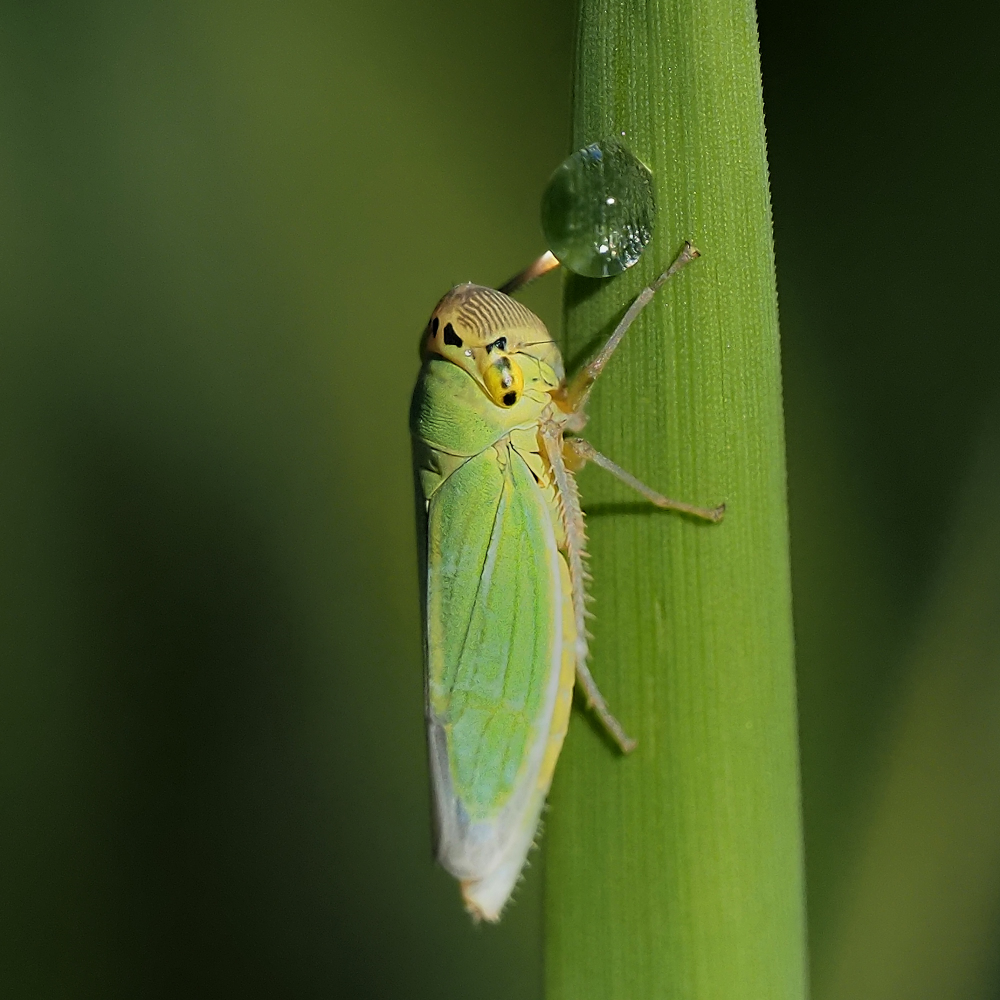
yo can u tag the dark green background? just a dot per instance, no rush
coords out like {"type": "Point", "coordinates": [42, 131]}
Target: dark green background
{"type": "Point", "coordinates": [223, 227]}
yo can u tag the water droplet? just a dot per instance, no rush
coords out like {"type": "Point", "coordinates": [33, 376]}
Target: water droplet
{"type": "Point", "coordinates": [598, 210]}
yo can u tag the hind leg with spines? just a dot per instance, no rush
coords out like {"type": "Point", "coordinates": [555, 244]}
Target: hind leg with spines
{"type": "Point", "coordinates": [576, 541]}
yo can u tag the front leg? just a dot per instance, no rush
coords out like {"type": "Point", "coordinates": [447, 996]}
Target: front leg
{"type": "Point", "coordinates": [576, 393]}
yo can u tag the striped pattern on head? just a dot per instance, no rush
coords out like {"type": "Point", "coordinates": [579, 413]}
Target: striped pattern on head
{"type": "Point", "coordinates": [483, 330]}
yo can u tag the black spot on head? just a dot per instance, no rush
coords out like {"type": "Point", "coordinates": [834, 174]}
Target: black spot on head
{"type": "Point", "coordinates": [500, 344]}
{"type": "Point", "coordinates": [509, 398]}
{"type": "Point", "coordinates": [434, 326]}
{"type": "Point", "coordinates": [450, 337]}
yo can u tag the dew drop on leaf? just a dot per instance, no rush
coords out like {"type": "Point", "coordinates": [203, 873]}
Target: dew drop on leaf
{"type": "Point", "coordinates": [598, 209]}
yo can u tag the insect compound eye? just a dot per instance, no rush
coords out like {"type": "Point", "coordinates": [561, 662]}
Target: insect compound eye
{"type": "Point", "coordinates": [504, 382]}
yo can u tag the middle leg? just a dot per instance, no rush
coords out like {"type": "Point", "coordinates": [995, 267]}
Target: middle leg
{"type": "Point", "coordinates": [586, 452]}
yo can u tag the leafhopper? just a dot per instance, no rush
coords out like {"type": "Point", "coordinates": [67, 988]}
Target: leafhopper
{"type": "Point", "coordinates": [496, 440]}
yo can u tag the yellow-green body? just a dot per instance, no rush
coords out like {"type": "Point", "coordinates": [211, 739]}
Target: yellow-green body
{"type": "Point", "coordinates": [500, 631]}
{"type": "Point", "coordinates": [502, 554]}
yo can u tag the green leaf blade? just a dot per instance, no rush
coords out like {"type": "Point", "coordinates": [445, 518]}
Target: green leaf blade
{"type": "Point", "coordinates": [678, 872]}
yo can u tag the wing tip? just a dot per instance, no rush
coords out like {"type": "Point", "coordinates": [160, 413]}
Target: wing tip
{"type": "Point", "coordinates": [479, 902]}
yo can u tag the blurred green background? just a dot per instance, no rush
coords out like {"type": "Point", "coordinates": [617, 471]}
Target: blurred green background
{"type": "Point", "coordinates": [224, 226]}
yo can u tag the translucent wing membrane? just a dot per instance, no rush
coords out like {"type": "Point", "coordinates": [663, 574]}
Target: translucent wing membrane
{"type": "Point", "coordinates": [494, 629]}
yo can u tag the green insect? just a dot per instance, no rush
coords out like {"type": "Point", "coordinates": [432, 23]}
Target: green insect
{"type": "Point", "coordinates": [495, 428]}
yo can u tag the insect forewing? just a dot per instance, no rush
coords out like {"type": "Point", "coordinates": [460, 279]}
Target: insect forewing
{"type": "Point", "coordinates": [494, 612]}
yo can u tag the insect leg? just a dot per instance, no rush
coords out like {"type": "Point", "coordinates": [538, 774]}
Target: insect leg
{"type": "Point", "coordinates": [579, 388]}
{"type": "Point", "coordinates": [595, 700]}
{"type": "Point", "coordinates": [586, 451]}
{"type": "Point", "coordinates": [547, 262]}
{"type": "Point", "coordinates": [576, 551]}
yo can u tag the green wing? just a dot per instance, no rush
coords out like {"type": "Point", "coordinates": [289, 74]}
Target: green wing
{"type": "Point", "coordinates": [494, 648]}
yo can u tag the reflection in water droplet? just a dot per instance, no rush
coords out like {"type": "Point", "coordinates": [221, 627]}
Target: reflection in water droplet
{"type": "Point", "coordinates": [598, 210]}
